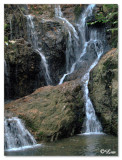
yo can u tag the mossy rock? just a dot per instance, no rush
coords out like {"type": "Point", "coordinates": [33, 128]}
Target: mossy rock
{"type": "Point", "coordinates": [52, 113]}
{"type": "Point", "coordinates": [103, 87]}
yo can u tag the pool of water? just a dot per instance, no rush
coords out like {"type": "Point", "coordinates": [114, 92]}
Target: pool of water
{"type": "Point", "coordinates": [79, 145]}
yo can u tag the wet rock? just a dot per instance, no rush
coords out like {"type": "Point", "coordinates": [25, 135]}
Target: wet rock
{"type": "Point", "coordinates": [15, 21]}
{"type": "Point", "coordinates": [23, 63]}
{"type": "Point", "coordinates": [53, 38]}
{"type": "Point", "coordinates": [24, 70]}
{"type": "Point", "coordinates": [103, 86]}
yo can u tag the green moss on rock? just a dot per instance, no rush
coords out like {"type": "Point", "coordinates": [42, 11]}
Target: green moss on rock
{"type": "Point", "coordinates": [103, 86]}
{"type": "Point", "coordinates": [51, 113]}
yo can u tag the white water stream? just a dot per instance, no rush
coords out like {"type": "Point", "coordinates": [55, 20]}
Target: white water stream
{"type": "Point", "coordinates": [72, 43]}
{"type": "Point", "coordinates": [17, 137]}
{"type": "Point", "coordinates": [91, 123]}
{"type": "Point", "coordinates": [33, 39]}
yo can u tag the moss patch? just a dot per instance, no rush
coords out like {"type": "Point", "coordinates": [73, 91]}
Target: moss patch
{"type": "Point", "coordinates": [51, 112]}
{"type": "Point", "coordinates": [103, 86]}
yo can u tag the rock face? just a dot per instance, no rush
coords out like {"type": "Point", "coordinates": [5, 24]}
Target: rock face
{"type": "Point", "coordinates": [52, 36]}
{"type": "Point", "coordinates": [25, 72]}
{"type": "Point", "coordinates": [103, 86]}
{"type": "Point", "coordinates": [51, 113]}
{"type": "Point", "coordinates": [15, 22]}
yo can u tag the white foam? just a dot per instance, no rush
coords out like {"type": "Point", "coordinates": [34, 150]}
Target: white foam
{"type": "Point", "coordinates": [23, 148]}
{"type": "Point", "coordinates": [92, 133]}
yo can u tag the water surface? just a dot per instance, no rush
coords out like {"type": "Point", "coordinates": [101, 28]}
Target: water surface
{"type": "Point", "coordinates": [79, 145]}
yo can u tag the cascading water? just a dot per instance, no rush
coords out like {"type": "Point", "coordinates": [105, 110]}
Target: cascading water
{"type": "Point", "coordinates": [82, 27]}
{"type": "Point", "coordinates": [91, 123]}
{"type": "Point", "coordinates": [17, 137]}
{"type": "Point", "coordinates": [33, 39]}
{"type": "Point", "coordinates": [59, 15]}
{"type": "Point", "coordinates": [72, 43]}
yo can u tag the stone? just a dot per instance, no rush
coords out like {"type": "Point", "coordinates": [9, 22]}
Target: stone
{"type": "Point", "coordinates": [24, 64]}
{"type": "Point", "coordinates": [103, 87]}
{"type": "Point", "coordinates": [52, 112]}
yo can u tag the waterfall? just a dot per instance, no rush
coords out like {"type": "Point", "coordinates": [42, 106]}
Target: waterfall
{"type": "Point", "coordinates": [33, 39]}
{"type": "Point", "coordinates": [16, 136]}
{"type": "Point", "coordinates": [82, 27]}
{"type": "Point", "coordinates": [59, 15]}
{"type": "Point", "coordinates": [91, 123]}
{"type": "Point", "coordinates": [72, 43]}
{"type": "Point", "coordinates": [95, 46]}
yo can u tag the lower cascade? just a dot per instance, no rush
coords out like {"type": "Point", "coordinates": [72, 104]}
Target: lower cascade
{"type": "Point", "coordinates": [17, 137]}
{"type": "Point", "coordinates": [91, 123]}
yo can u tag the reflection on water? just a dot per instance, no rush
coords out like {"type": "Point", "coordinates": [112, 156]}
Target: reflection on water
{"type": "Point", "coordinates": [80, 145]}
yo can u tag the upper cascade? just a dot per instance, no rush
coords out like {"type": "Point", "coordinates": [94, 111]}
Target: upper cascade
{"type": "Point", "coordinates": [72, 43]}
{"type": "Point", "coordinates": [33, 39]}
{"type": "Point", "coordinates": [59, 14]}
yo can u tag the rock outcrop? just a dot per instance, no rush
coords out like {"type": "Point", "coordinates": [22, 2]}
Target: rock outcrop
{"type": "Point", "coordinates": [103, 86]}
{"type": "Point", "coordinates": [52, 37]}
{"type": "Point", "coordinates": [24, 69]}
{"type": "Point", "coordinates": [51, 112]}
{"type": "Point", "coordinates": [25, 72]}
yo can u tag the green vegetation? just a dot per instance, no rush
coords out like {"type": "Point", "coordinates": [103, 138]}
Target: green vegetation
{"type": "Point", "coordinates": [40, 135]}
{"type": "Point", "coordinates": [6, 26]}
{"type": "Point", "coordinates": [108, 14]}
{"type": "Point", "coordinates": [6, 39]}
{"type": "Point", "coordinates": [29, 123]}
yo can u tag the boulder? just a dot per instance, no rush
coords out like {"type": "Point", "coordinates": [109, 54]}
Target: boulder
{"type": "Point", "coordinates": [103, 86]}
{"type": "Point", "coordinates": [51, 112]}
